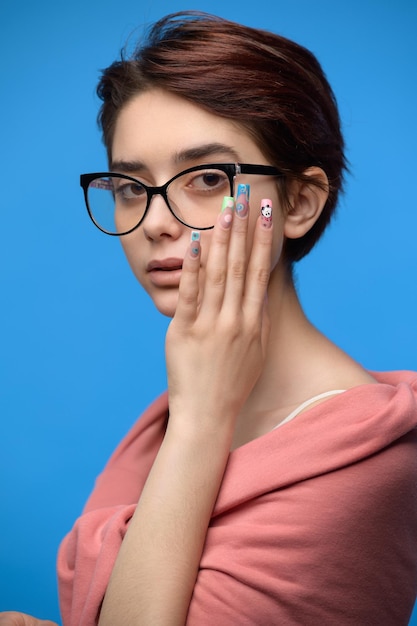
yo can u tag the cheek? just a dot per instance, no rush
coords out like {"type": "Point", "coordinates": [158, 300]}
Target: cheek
{"type": "Point", "coordinates": [277, 246]}
{"type": "Point", "coordinates": [278, 239]}
{"type": "Point", "coordinates": [131, 247]}
{"type": "Point", "coordinates": [276, 252]}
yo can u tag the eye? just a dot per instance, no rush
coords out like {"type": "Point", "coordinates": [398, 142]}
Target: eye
{"type": "Point", "coordinates": [207, 181]}
{"type": "Point", "coordinates": [129, 190]}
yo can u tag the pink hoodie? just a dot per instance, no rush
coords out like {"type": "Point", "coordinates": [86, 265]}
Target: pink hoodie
{"type": "Point", "coordinates": [315, 522]}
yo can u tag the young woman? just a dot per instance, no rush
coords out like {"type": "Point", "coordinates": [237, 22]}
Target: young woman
{"type": "Point", "coordinates": [276, 480]}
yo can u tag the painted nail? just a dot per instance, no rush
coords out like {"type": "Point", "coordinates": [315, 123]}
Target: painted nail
{"type": "Point", "coordinates": [242, 199]}
{"type": "Point", "coordinates": [228, 203]}
{"type": "Point", "coordinates": [226, 216]}
{"type": "Point", "coordinates": [266, 213]}
{"type": "Point", "coordinates": [195, 240]}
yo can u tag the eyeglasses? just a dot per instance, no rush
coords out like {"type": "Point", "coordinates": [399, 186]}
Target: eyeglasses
{"type": "Point", "coordinates": [117, 204]}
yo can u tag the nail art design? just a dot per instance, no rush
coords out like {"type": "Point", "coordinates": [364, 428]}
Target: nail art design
{"type": "Point", "coordinates": [226, 216]}
{"type": "Point", "coordinates": [228, 203]}
{"type": "Point", "coordinates": [266, 213]}
{"type": "Point", "coordinates": [242, 199]}
{"type": "Point", "coordinates": [195, 240]}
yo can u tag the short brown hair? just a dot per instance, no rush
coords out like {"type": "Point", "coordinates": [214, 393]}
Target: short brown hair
{"type": "Point", "coordinates": [275, 88]}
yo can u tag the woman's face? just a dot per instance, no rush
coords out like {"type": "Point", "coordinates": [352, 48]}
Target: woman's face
{"type": "Point", "coordinates": [163, 135]}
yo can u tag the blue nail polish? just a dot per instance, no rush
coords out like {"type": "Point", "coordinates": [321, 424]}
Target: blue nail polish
{"type": "Point", "coordinates": [243, 190]}
{"type": "Point", "coordinates": [195, 239]}
{"type": "Point", "coordinates": [242, 204]}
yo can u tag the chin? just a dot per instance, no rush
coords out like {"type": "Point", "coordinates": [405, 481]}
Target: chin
{"type": "Point", "coordinates": [166, 304]}
{"type": "Point", "coordinates": [164, 300]}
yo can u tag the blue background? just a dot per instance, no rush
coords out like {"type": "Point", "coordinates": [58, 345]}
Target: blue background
{"type": "Point", "coordinates": [81, 346]}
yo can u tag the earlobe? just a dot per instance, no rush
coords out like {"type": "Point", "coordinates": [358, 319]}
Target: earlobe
{"type": "Point", "coordinates": [307, 201]}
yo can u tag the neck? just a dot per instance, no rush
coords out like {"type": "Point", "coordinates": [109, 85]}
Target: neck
{"type": "Point", "coordinates": [300, 362]}
{"type": "Point", "coordinates": [291, 339]}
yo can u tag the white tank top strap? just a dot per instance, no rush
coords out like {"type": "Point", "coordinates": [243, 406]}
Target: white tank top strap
{"type": "Point", "coordinates": [307, 403]}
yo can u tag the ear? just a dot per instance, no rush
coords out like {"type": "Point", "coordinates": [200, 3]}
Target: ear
{"type": "Point", "coordinates": [306, 202]}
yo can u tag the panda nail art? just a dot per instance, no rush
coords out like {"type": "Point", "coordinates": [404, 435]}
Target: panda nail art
{"type": "Point", "coordinates": [266, 213]}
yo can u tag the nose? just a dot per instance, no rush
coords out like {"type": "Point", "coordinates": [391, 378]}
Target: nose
{"type": "Point", "coordinates": [159, 222]}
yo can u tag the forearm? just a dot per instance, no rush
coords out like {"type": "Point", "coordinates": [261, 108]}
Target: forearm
{"type": "Point", "coordinates": [215, 351]}
{"type": "Point", "coordinates": [155, 572]}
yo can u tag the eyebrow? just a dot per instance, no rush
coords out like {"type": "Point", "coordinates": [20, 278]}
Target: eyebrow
{"type": "Point", "coordinates": [206, 150]}
{"type": "Point", "coordinates": [189, 154]}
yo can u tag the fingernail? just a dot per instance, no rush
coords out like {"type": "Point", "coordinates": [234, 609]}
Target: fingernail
{"type": "Point", "coordinates": [242, 199]}
{"type": "Point", "coordinates": [228, 203]}
{"type": "Point", "coordinates": [226, 216]}
{"type": "Point", "coordinates": [195, 240]}
{"type": "Point", "coordinates": [266, 213]}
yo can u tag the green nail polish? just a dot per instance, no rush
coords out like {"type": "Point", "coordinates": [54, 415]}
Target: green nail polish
{"type": "Point", "coordinates": [228, 203]}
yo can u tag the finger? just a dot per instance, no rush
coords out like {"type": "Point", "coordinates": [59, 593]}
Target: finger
{"type": "Point", "coordinates": [259, 266]}
{"type": "Point", "coordinates": [237, 254]}
{"type": "Point", "coordinates": [14, 618]}
{"type": "Point", "coordinates": [188, 292]}
{"type": "Point", "coordinates": [216, 265]}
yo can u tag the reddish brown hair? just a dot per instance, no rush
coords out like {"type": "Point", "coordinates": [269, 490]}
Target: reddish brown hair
{"type": "Point", "coordinates": [274, 87]}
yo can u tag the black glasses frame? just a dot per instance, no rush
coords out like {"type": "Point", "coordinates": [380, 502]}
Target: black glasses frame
{"type": "Point", "coordinates": [230, 169]}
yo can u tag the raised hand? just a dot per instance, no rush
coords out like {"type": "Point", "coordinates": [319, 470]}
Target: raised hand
{"type": "Point", "coordinates": [215, 352]}
{"type": "Point", "coordinates": [215, 344]}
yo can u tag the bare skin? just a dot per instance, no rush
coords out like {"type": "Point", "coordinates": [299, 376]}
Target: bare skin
{"type": "Point", "coordinates": [12, 618]}
{"type": "Point", "coordinates": [240, 352]}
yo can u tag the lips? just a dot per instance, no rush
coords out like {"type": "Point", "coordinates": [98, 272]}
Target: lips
{"type": "Point", "coordinates": [165, 273]}
{"type": "Point", "coordinates": [164, 265]}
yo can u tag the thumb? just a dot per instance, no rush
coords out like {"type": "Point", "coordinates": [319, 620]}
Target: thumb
{"type": "Point", "coordinates": [13, 618]}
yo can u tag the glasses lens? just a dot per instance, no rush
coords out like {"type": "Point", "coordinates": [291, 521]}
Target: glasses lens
{"type": "Point", "coordinates": [116, 204]}
{"type": "Point", "coordinates": [196, 197]}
